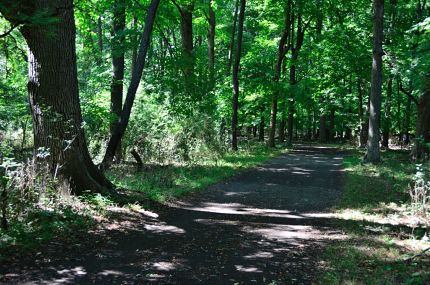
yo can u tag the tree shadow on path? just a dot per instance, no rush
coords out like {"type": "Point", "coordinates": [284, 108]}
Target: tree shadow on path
{"type": "Point", "coordinates": [268, 225]}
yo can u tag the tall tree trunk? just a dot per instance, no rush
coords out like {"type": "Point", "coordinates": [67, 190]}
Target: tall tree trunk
{"type": "Point", "coordinates": [54, 95]}
{"type": "Point", "coordinates": [282, 123]}
{"type": "Point", "coordinates": [134, 84]}
{"type": "Point", "coordinates": [232, 37]}
{"type": "Point", "coordinates": [188, 60]}
{"type": "Point", "coordinates": [323, 122]}
{"type": "Point", "coordinates": [211, 46]}
{"type": "Point", "coordinates": [118, 52]}
{"type": "Point", "coordinates": [290, 122]}
{"type": "Point", "coordinates": [364, 122]}
{"type": "Point", "coordinates": [295, 49]}
{"type": "Point", "coordinates": [407, 122]}
{"type": "Point", "coordinates": [236, 76]}
{"type": "Point", "coordinates": [387, 111]}
{"type": "Point", "coordinates": [282, 51]}
{"type": "Point", "coordinates": [332, 125]}
{"type": "Point", "coordinates": [422, 139]}
{"type": "Point", "coordinates": [261, 129]}
{"type": "Point", "coordinates": [373, 149]}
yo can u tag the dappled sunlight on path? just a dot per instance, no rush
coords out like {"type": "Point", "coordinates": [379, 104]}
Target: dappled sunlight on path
{"type": "Point", "coordinates": [265, 225]}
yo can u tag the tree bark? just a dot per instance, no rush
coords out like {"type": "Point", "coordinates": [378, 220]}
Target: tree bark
{"type": "Point", "coordinates": [188, 60]}
{"type": "Point", "coordinates": [407, 122]}
{"type": "Point", "coordinates": [261, 129]}
{"type": "Point", "coordinates": [282, 51]}
{"type": "Point", "coordinates": [362, 113]}
{"type": "Point", "coordinates": [134, 84]}
{"type": "Point", "coordinates": [323, 122]}
{"type": "Point", "coordinates": [211, 46]}
{"type": "Point", "coordinates": [233, 35]}
{"type": "Point", "coordinates": [421, 149]}
{"type": "Point", "coordinates": [373, 148]}
{"type": "Point", "coordinates": [234, 120]}
{"type": "Point", "coordinates": [118, 54]}
{"type": "Point", "coordinates": [290, 122]}
{"type": "Point", "coordinates": [282, 124]}
{"type": "Point", "coordinates": [54, 96]}
{"type": "Point", "coordinates": [332, 125]}
{"type": "Point", "coordinates": [387, 111]}
{"type": "Point", "coordinates": [295, 49]}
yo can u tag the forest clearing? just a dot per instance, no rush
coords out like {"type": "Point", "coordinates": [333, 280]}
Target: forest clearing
{"type": "Point", "coordinates": [214, 142]}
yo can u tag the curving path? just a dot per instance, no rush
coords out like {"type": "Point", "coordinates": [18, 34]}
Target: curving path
{"type": "Point", "coordinates": [264, 226]}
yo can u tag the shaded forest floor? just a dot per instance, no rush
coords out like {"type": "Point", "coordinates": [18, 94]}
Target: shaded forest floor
{"type": "Point", "coordinates": [284, 222]}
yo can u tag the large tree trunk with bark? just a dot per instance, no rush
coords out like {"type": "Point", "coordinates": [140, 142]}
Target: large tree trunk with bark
{"type": "Point", "coordinates": [134, 84]}
{"type": "Point", "coordinates": [118, 54]}
{"type": "Point", "coordinates": [53, 93]}
{"type": "Point", "coordinates": [373, 148]}
{"type": "Point", "coordinates": [234, 120]}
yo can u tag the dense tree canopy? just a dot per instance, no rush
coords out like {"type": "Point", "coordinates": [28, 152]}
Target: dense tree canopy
{"type": "Point", "coordinates": [111, 109]}
{"type": "Point", "coordinates": [300, 70]}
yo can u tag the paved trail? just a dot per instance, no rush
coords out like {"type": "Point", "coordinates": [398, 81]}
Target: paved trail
{"type": "Point", "coordinates": [265, 226]}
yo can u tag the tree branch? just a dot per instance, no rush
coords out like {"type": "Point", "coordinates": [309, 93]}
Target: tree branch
{"type": "Point", "coordinates": [408, 93]}
{"type": "Point", "coordinates": [13, 27]}
{"type": "Point", "coordinates": [422, 253]}
{"type": "Point", "coordinates": [177, 6]}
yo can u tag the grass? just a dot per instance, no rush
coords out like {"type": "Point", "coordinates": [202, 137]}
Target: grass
{"type": "Point", "coordinates": [68, 220]}
{"type": "Point", "coordinates": [59, 218]}
{"type": "Point", "coordinates": [40, 226]}
{"type": "Point", "coordinates": [372, 261]}
{"type": "Point", "coordinates": [161, 183]}
{"type": "Point", "coordinates": [368, 186]}
{"type": "Point", "coordinates": [382, 232]}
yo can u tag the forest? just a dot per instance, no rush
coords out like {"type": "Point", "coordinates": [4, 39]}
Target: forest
{"type": "Point", "coordinates": [214, 141]}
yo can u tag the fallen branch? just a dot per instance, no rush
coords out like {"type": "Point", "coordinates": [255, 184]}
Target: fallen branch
{"type": "Point", "coordinates": [422, 253]}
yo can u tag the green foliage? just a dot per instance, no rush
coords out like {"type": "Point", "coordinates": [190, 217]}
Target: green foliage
{"type": "Point", "coordinates": [161, 183]}
{"type": "Point", "coordinates": [367, 186]}
{"type": "Point", "coordinates": [97, 201]}
{"type": "Point", "coordinates": [374, 211]}
{"type": "Point", "coordinates": [41, 226]}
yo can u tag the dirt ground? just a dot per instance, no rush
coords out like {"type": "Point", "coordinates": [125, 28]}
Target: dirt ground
{"type": "Point", "coordinates": [264, 226]}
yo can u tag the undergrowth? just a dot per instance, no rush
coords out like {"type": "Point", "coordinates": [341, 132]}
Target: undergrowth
{"type": "Point", "coordinates": [383, 229]}
{"type": "Point", "coordinates": [163, 182]}
{"type": "Point", "coordinates": [40, 209]}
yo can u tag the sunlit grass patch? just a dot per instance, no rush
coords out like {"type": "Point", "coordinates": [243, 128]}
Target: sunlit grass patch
{"type": "Point", "coordinates": [383, 231]}
{"type": "Point", "coordinates": [370, 261]}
